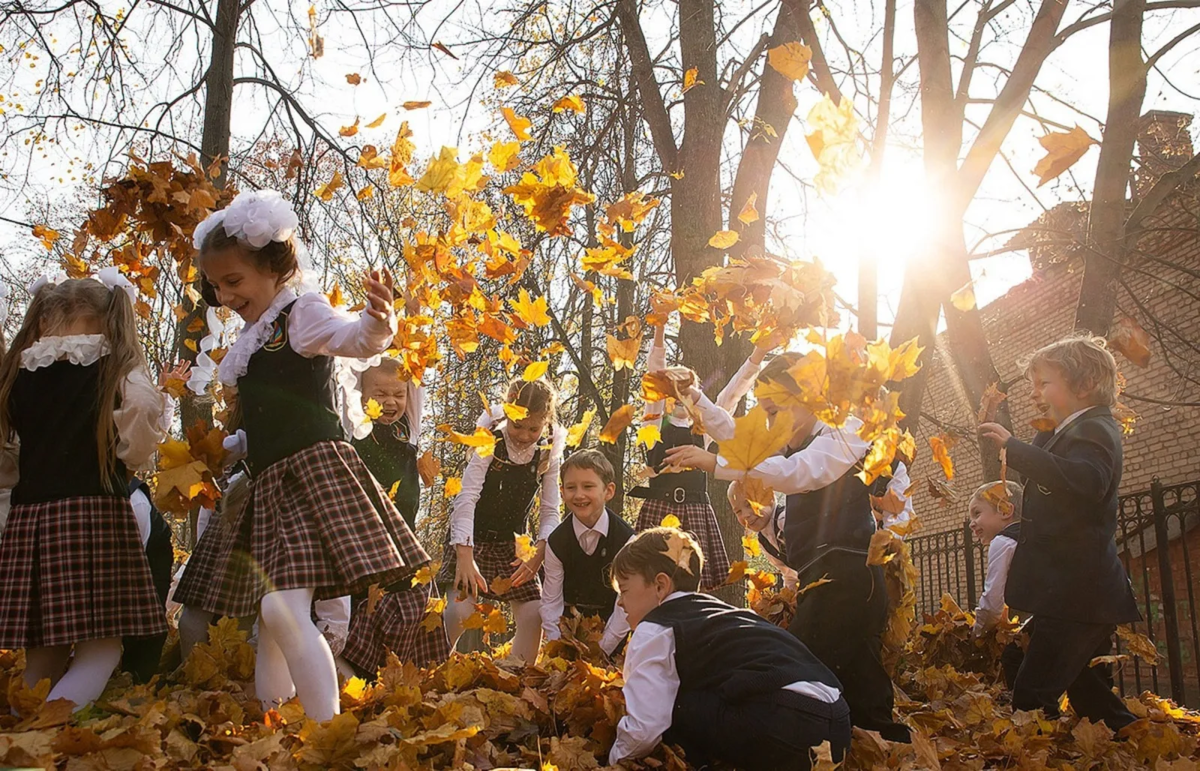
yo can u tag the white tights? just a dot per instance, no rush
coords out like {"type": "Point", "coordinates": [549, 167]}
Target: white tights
{"type": "Point", "coordinates": [293, 656]}
{"type": "Point", "coordinates": [527, 638]}
{"type": "Point", "coordinates": [85, 678]}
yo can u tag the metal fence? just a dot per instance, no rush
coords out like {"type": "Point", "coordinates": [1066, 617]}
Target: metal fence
{"type": "Point", "coordinates": [1159, 544]}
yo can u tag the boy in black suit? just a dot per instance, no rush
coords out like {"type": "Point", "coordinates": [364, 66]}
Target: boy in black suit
{"type": "Point", "coordinates": [1065, 569]}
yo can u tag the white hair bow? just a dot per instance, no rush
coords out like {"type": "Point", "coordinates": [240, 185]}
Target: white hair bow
{"type": "Point", "coordinates": [46, 280]}
{"type": "Point", "coordinates": [114, 279]}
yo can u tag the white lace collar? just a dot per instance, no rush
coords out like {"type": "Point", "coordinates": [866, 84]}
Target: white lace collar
{"type": "Point", "coordinates": [77, 349]}
{"type": "Point", "coordinates": [251, 338]}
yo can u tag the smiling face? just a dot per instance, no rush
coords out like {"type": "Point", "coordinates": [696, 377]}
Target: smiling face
{"type": "Point", "coordinates": [239, 284]}
{"type": "Point", "coordinates": [386, 388]}
{"type": "Point", "coordinates": [1053, 395]}
{"type": "Point", "coordinates": [986, 520]}
{"type": "Point", "coordinates": [585, 494]}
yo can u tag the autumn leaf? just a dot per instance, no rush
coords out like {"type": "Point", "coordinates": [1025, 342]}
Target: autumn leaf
{"type": "Point", "coordinates": [989, 403]}
{"type": "Point", "coordinates": [373, 410]}
{"type": "Point", "coordinates": [415, 105]}
{"type": "Point", "coordinates": [737, 572]}
{"type": "Point", "coordinates": [1062, 151]}
{"type": "Point", "coordinates": [723, 239]}
{"type": "Point", "coordinates": [483, 440]}
{"type": "Point", "coordinates": [689, 79]}
{"type": "Point", "coordinates": [441, 47]}
{"type": "Point", "coordinates": [1043, 424]}
{"type": "Point", "coordinates": [748, 213]}
{"type": "Point", "coordinates": [520, 126]}
{"type": "Point", "coordinates": [325, 192]}
{"type": "Point", "coordinates": [758, 494]}
{"type": "Point", "coordinates": [878, 550]}
{"type": "Point", "coordinates": [997, 496]}
{"type": "Point", "coordinates": [504, 79]}
{"type": "Point", "coordinates": [428, 467]}
{"type": "Point", "coordinates": [515, 411]}
{"type": "Point", "coordinates": [395, 488]}
{"type": "Point", "coordinates": [790, 60]}
{"type": "Point", "coordinates": [377, 122]}
{"type": "Point", "coordinates": [441, 172]}
{"type": "Point", "coordinates": [46, 235]}
{"type": "Point", "coordinates": [525, 548]}
{"type": "Point", "coordinates": [453, 486]}
{"type": "Point", "coordinates": [534, 371]}
{"type": "Point", "coordinates": [616, 424]}
{"type": "Point", "coordinates": [649, 435]}
{"type": "Point", "coordinates": [751, 546]}
{"type": "Point", "coordinates": [349, 131]}
{"type": "Point", "coordinates": [624, 353]}
{"type": "Point", "coordinates": [825, 579]}
{"type": "Point", "coordinates": [576, 433]}
{"type": "Point", "coordinates": [354, 79]}
{"type": "Point", "coordinates": [532, 312]}
{"type": "Point", "coordinates": [670, 521]}
{"type": "Point", "coordinates": [1138, 644]}
{"type": "Point", "coordinates": [504, 155]}
{"type": "Point", "coordinates": [941, 445]}
{"type": "Point", "coordinates": [834, 143]}
{"type": "Point", "coordinates": [572, 103]}
{"type": "Point", "coordinates": [753, 441]}
{"type": "Point", "coordinates": [500, 584]}
{"type": "Point", "coordinates": [964, 297]}
{"type": "Point", "coordinates": [434, 607]}
{"type": "Point", "coordinates": [1128, 337]}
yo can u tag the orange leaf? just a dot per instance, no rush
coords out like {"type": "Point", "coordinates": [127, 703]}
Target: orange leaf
{"type": "Point", "coordinates": [941, 445]}
{"type": "Point", "coordinates": [504, 79]}
{"type": "Point", "coordinates": [570, 102]}
{"type": "Point", "coordinates": [790, 60]}
{"type": "Point", "coordinates": [349, 131]}
{"type": "Point", "coordinates": [989, 403]}
{"type": "Point", "coordinates": [1128, 337]}
{"type": "Point", "coordinates": [748, 213]}
{"type": "Point", "coordinates": [689, 79]}
{"type": "Point", "coordinates": [723, 239]}
{"type": "Point", "coordinates": [520, 126]}
{"type": "Point", "coordinates": [415, 105]}
{"type": "Point", "coordinates": [377, 122]}
{"type": "Point", "coordinates": [354, 79]}
{"type": "Point", "coordinates": [1062, 152]}
{"type": "Point", "coordinates": [616, 424]}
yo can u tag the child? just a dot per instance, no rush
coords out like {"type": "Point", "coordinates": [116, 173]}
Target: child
{"type": "Point", "coordinates": [828, 530]}
{"type": "Point", "coordinates": [721, 682]}
{"type": "Point", "coordinates": [997, 530]}
{"type": "Point", "coordinates": [1065, 569]}
{"type": "Point", "coordinates": [767, 527]}
{"type": "Point", "coordinates": [390, 452]}
{"type": "Point", "coordinates": [79, 409]}
{"type": "Point", "coordinates": [142, 655]}
{"type": "Point", "coordinates": [315, 524]}
{"type": "Point", "coordinates": [497, 496]}
{"type": "Point", "coordinates": [580, 550]}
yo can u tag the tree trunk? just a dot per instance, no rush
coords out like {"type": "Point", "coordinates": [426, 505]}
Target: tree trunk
{"type": "Point", "coordinates": [1106, 220]}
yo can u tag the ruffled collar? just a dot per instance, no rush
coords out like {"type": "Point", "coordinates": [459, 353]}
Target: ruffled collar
{"type": "Point", "coordinates": [251, 338]}
{"type": "Point", "coordinates": [77, 349]}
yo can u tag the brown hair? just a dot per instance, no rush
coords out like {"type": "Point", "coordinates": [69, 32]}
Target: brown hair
{"type": "Point", "coordinates": [390, 365]}
{"type": "Point", "coordinates": [590, 459]}
{"type": "Point", "coordinates": [1015, 493]}
{"type": "Point", "coordinates": [646, 555]}
{"type": "Point", "coordinates": [539, 396]}
{"type": "Point", "coordinates": [55, 306]}
{"type": "Point", "coordinates": [277, 257]}
{"type": "Point", "coordinates": [1085, 362]}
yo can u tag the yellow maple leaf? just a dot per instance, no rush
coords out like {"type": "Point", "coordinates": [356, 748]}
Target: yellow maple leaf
{"type": "Point", "coordinates": [519, 125]}
{"type": "Point", "coordinates": [649, 435]}
{"type": "Point", "coordinates": [670, 521]}
{"type": "Point", "coordinates": [535, 371]}
{"type": "Point", "coordinates": [373, 410]}
{"type": "Point", "coordinates": [748, 213]}
{"type": "Point", "coordinates": [534, 313]}
{"type": "Point", "coordinates": [790, 60]}
{"type": "Point", "coordinates": [964, 298]}
{"type": "Point", "coordinates": [759, 495]}
{"type": "Point", "coordinates": [689, 79]}
{"type": "Point", "coordinates": [616, 424]}
{"type": "Point", "coordinates": [723, 239]}
{"type": "Point", "coordinates": [737, 571]}
{"type": "Point", "coordinates": [504, 79]}
{"type": "Point", "coordinates": [576, 433]}
{"type": "Point", "coordinates": [395, 488]}
{"type": "Point", "coordinates": [548, 192]}
{"type": "Point", "coordinates": [515, 411]}
{"type": "Point", "coordinates": [525, 548]}
{"type": "Point", "coordinates": [504, 156]}
{"type": "Point", "coordinates": [425, 574]}
{"type": "Point", "coordinates": [571, 102]}
{"type": "Point", "coordinates": [834, 143]}
{"type": "Point", "coordinates": [754, 441]}
{"type": "Point", "coordinates": [325, 192]}
{"type": "Point", "coordinates": [453, 486]}
{"type": "Point", "coordinates": [482, 440]}
{"type": "Point", "coordinates": [47, 235]}
{"type": "Point", "coordinates": [402, 153]}
{"type": "Point", "coordinates": [441, 172]}
{"type": "Point", "coordinates": [378, 121]}
{"type": "Point", "coordinates": [1062, 152]}
{"type": "Point", "coordinates": [679, 551]}
{"type": "Point", "coordinates": [434, 607]}
{"type": "Point", "coordinates": [751, 545]}
{"type": "Point", "coordinates": [624, 353]}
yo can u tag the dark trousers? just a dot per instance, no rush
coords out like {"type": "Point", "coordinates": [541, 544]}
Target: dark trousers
{"type": "Point", "coordinates": [141, 656]}
{"type": "Point", "coordinates": [1057, 660]}
{"type": "Point", "coordinates": [842, 623]}
{"type": "Point", "coordinates": [774, 731]}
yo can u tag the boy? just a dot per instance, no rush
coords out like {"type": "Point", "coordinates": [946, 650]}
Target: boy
{"type": "Point", "coordinates": [1065, 569]}
{"type": "Point", "coordinates": [767, 527]}
{"type": "Point", "coordinates": [719, 681]}
{"type": "Point", "coordinates": [997, 527]}
{"type": "Point", "coordinates": [581, 549]}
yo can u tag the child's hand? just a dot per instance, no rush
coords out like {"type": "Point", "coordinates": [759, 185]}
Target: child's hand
{"type": "Point", "coordinates": [690, 456]}
{"type": "Point", "coordinates": [172, 379]}
{"type": "Point", "coordinates": [379, 295]}
{"type": "Point", "coordinates": [994, 432]}
{"type": "Point", "coordinates": [467, 578]}
{"type": "Point", "coordinates": [526, 571]}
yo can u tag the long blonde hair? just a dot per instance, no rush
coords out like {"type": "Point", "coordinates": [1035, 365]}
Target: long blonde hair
{"type": "Point", "coordinates": [57, 306]}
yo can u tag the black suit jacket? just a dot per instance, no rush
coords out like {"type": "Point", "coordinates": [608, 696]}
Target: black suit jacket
{"type": "Point", "coordinates": [1066, 563]}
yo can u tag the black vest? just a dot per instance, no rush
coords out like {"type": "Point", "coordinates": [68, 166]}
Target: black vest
{"type": "Point", "coordinates": [160, 553]}
{"type": "Point", "coordinates": [54, 411]}
{"type": "Point", "coordinates": [391, 457]}
{"type": "Point", "coordinates": [507, 495]}
{"type": "Point", "coordinates": [586, 580]}
{"type": "Point", "coordinates": [836, 516]}
{"type": "Point", "coordinates": [675, 436]}
{"type": "Point", "coordinates": [287, 401]}
{"type": "Point", "coordinates": [1013, 531]}
{"type": "Point", "coordinates": [779, 553]}
{"type": "Point", "coordinates": [733, 651]}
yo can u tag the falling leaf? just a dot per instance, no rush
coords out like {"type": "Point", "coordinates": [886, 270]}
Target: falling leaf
{"type": "Point", "coordinates": [373, 410]}
{"type": "Point", "coordinates": [576, 433]}
{"type": "Point", "coordinates": [825, 579]}
{"type": "Point", "coordinates": [504, 79]}
{"type": "Point", "coordinates": [751, 546]}
{"type": "Point", "coordinates": [649, 435]}
{"type": "Point", "coordinates": [520, 126]}
{"type": "Point", "coordinates": [758, 494]}
{"type": "Point", "coordinates": [395, 488]}
{"type": "Point", "coordinates": [572, 103]}
{"type": "Point", "coordinates": [515, 411]}
{"type": "Point", "coordinates": [504, 155]}
{"type": "Point", "coordinates": [525, 547]}
{"type": "Point", "coordinates": [878, 550]}
{"type": "Point", "coordinates": [349, 131]}
{"type": "Point", "coordinates": [989, 403]}
{"type": "Point", "coordinates": [500, 585]}
{"type": "Point", "coordinates": [737, 572]}
{"type": "Point", "coordinates": [624, 353]}
{"type": "Point", "coordinates": [753, 441]}
{"type": "Point", "coordinates": [441, 172]}
{"type": "Point", "coordinates": [748, 213]}
{"type": "Point", "coordinates": [325, 192]}
{"type": "Point", "coordinates": [689, 79]}
{"type": "Point", "coordinates": [415, 105]}
{"type": "Point", "coordinates": [1062, 151]}
{"type": "Point", "coordinates": [1137, 644]}
{"type": "Point", "coordinates": [428, 467]}
{"type": "Point", "coordinates": [46, 235]}
{"type": "Point", "coordinates": [453, 486]}
{"type": "Point", "coordinates": [483, 440]}
{"type": "Point", "coordinates": [723, 239]}
{"type": "Point", "coordinates": [964, 298]}
{"type": "Point", "coordinates": [377, 122]}
{"type": "Point", "coordinates": [834, 143]}
{"type": "Point", "coordinates": [535, 371]}
{"type": "Point", "coordinates": [941, 445]}
{"type": "Point", "coordinates": [434, 607]}
{"type": "Point", "coordinates": [997, 496]}
{"type": "Point", "coordinates": [790, 60]}
{"type": "Point", "coordinates": [444, 50]}
{"type": "Point", "coordinates": [532, 312]}
{"type": "Point", "coordinates": [1043, 424]}
{"type": "Point", "coordinates": [1128, 337]}
{"type": "Point", "coordinates": [354, 79]}
{"type": "Point", "coordinates": [670, 521]}
{"type": "Point", "coordinates": [616, 424]}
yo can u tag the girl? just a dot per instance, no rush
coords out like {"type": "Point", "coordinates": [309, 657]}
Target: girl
{"type": "Point", "coordinates": [78, 409]}
{"type": "Point", "coordinates": [390, 452]}
{"type": "Point", "coordinates": [314, 523]}
{"type": "Point", "coordinates": [497, 496]}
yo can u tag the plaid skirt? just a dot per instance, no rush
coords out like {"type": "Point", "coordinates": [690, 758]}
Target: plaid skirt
{"type": "Point", "coordinates": [494, 561]}
{"type": "Point", "coordinates": [700, 520]}
{"type": "Point", "coordinates": [316, 519]}
{"type": "Point", "coordinates": [74, 570]}
{"type": "Point", "coordinates": [396, 626]}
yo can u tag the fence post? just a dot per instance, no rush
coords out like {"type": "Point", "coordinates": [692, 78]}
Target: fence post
{"type": "Point", "coordinates": [969, 548]}
{"type": "Point", "coordinates": [1166, 583]}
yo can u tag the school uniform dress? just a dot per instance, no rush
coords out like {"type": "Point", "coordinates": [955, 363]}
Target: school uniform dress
{"type": "Point", "coordinates": [497, 498]}
{"type": "Point", "coordinates": [827, 531]}
{"type": "Point", "coordinates": [991, 603]}
{"type": "Point", "coordinates": [141, 656]}
{"type": "Point", "coordinates": [72, 566]}
{"type": "Point", "coordinates": [315, 516]}
{"type": "Point", "coordinates": [395, 622]}
{"type": "Point", "coordinates": [578, 576]}
{"type": "Point", "coordinates": [1065, 570]}
{"type": "Point", "coordinates": [726, 685]}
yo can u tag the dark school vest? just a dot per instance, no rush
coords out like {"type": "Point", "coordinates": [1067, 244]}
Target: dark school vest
{"type": "Point", "coordinates": [54, 413]}
{"type": "Point", "coordinates": [391, 457]}
{"type": "Point", "coordinates": [675, 436]}
{"type": "Point", "coordinates": [586, 579]}
{"type": "Point", "coordinates": [733, 651]}
{"type": "Point", "coordinates": [287, 401]}
{"type": "Point", "coordinates": [507, 496]}
{"type": "Point", "coordinates": [780, 552]}
{"type": "Point", "coordinates": [1013, 531]}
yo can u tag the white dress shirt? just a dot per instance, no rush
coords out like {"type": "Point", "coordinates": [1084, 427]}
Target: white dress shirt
{"type": "Point", "coordinates": [1070, 418]}
{"type": "Point", "coordinates": [142, 509]}
{"type": "Point", "coordinates": [652, 683]}
{"type": "Point", "coordinates": [553, 603]}
{"type": "Point", "coordinates": [991, 602]}
{"type": "Point", "coordinates": [727, 400]}
{"type": "Point", "coordinates": [462, 516]}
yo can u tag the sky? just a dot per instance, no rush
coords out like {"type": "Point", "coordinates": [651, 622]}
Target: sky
{"type": "Point", "coordinates": [807, 224]}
